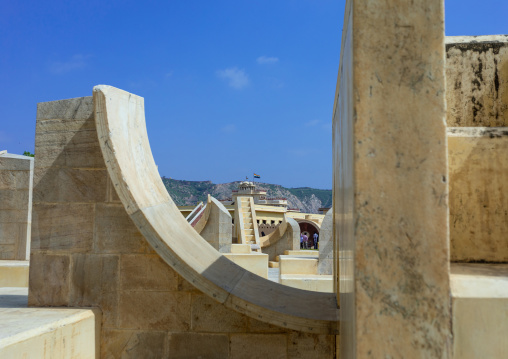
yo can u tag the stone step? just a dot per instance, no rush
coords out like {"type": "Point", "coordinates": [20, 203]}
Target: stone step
{"type": "Point", "coordinates": [312, 282]}
{"type": "Point", "coordinates": [14, 273]}
{"type": "Point", "coordinates": [303, 252]}
{"type": "Point", "coordinates": [257, 263]}
{"type": "Point", "coordinates": [297, 265]}
{"type": "Point", "coordinates": [240, 248]}
{"type": "Point", "coordinates": [273, 264]}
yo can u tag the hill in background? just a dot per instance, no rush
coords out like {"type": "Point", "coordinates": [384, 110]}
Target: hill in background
{"type": "Point", "coordinates": [188, 193]}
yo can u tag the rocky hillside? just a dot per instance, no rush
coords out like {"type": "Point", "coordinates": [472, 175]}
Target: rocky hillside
{"type": "Point", "coordinates": [306, 199]}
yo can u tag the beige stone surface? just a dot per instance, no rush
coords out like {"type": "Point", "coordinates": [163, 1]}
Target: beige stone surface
{"type": "Point", "coordinates": [477, 81]}
{"type": "Point", "coordinates": [390, 181]}
{"type": "Point", "coordinates": [240, 248]}
{"type": "Point", "coordinates": [258, 346]}
{"type": "Point", "coordinates": [478, 172]}
{"type": "Point", "coordinates": [169, 311]}
{"type": "Point", "coordinates": [297, 265]}
{"type": "Point", "coordinates": [303, 252]}
{"type": "Point", "coordinates": [325, 265]}
{"type": "Point", "coordinates": [196, 345]}
{"type": "Point", "coordinates": [210, 316]}
{"type": "Point", "coordinates": [301, 345]}
{"type": "Point", "coordinates": [217, 229]}
{"type": "Point", "coordinates": [133, 344]}
{"type": "Point", "coordinates": [16, 181]}
{"type": "Point", "coordinates": [45, 332]}
{"type": "Point", "coordinates": [49, 280]}
{"type": "Point", "coordinates": [13, 273]}
{"type": "Point", "coordinates": [256, 263]}
{"type": "Point", "coordinates": [66, 227]}
{"type": "Point", "coordinates": [313, 282]}
{"type": "Point", "coordinates": [480, 310]}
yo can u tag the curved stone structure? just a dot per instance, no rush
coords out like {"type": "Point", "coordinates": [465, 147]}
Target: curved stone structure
{"type": "Point", "coordinates": [285, 237]}
{"type": "Point", "coordinates": [215, 225]}
{"type": "Point", "coordinates": [124, 143]}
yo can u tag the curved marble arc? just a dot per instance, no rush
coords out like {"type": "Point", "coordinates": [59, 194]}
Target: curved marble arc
{"type": "Point", "coordinates": [120, 120]}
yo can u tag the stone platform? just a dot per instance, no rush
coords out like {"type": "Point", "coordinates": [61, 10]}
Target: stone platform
{"type": "Point", "coordinates": [45, 332]}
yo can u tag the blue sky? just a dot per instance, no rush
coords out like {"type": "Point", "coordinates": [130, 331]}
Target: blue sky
{"type": "Point", "coordinates": [230, 87]}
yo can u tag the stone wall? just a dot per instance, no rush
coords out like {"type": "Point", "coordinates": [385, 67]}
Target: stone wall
{"type": "Point", "coordinates": [477, 113]}
{"type": "Point", "coordinates": [87, 252]}
{"type": "Point", "coordinates": [477, 81]}
{"type": "Point", "coordinates": [16, 176]}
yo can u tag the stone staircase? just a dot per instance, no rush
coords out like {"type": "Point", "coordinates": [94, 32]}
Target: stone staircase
{"type": "Point", "coordinates": [248, 227]}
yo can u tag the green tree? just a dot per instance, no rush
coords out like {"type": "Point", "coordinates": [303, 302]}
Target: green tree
{"type": "Point", "coordinates": [28, 154]}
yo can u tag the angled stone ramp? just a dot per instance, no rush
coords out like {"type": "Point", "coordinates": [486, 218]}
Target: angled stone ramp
{"type": "Point", "coordinates": [124, 143]}
{"type": "Point", "coordinates": [213, 223]}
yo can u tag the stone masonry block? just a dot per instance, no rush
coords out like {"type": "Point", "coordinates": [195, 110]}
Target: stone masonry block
{"type": "Point", "coordinates": [14, 180]}
{"type": "Point", "coordinates": [79, 107]}
{"type": "Point", "coordinates": [115, 232]}
{"type": "Point", "coordinates": [154, 310]}
{"type": "Point", "coordinates": [205, 314]}
{"type": "Point", "coordinates": [131, 344]}
{"type": "Point", "coordinates": [193, 345]}
{"type": "Point", "coordinates": [147, 272]}
{"type": "Point", "coordinates": [14, 199]}
{"type": "Point", "coordinates": [477, 81]}
{"type": "Point", "coordinates": [259, 346]}
{"type": "Point", "coordinates": [69, 185]}
{"type": "Point", "coordinates": [94, 282]}
{"type": "Point", "coordinates": [307, 346]}
{"type": "Point", "coordinates": [49, 280]}
{"type": "Point", "coordinates": [65, 227]}
{"type": "Point", "coordinates": [70, 143]}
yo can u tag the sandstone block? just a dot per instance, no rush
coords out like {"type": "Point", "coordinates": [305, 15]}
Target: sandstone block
{"type": "Point", "coordinates": [133, 344]}
{"type": "Point", "coordinates": [69, 185]}
{"type": "Point", "coordinates": [66, 227]}
{"type": "Point", "coordinates": [205, 314]}
{"type": "Point", "coordinates": [193, 345]}
{"type": "Point", "coordinates": [147, 272]}
{"type": "Point", "coordinates": [259, 346]}
{"type": "Point", "coordinates": [306, 346]}
{"type": "Point", "coordinates": [476, 81]}
{"type": "Point", "coordinates": [49, 280]}
{"type": "Point", "coordinates": [154, 311]}
{"type": "Point", "coordinates": [79, 107]}
{"type": "Point", "coordinates": [478, 171]}
{"type": "Point", "coordinates": [94, 282]}
{"type": "Point", "coordinates": [115, 232]}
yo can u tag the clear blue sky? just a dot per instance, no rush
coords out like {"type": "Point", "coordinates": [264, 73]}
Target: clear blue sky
{"type": "Point", "coordinates": [230, 87]}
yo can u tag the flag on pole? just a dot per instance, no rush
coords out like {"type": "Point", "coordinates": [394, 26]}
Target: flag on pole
{"type": "Point", "coordinates": [256, 176]}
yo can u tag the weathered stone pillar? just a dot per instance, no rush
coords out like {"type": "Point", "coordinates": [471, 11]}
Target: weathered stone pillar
{"type": "Point", "coordinates": [325, 265]}
{"type": "Point", "coordinates": [390, 181]}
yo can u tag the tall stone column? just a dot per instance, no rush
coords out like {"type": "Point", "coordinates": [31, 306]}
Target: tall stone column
{"type": "Point", "coordinates": [390, 181]}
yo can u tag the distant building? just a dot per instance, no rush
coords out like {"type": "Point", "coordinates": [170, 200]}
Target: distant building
{"type": "Point", "coordinates": [269, 211]}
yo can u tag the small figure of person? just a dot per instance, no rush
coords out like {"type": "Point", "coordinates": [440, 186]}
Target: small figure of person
{"type": "Point", "coordinates": [301, 241]}
{"type": "Point", "coordinates": [305, 241]}
{"type": "Point", "coordinates": [316, 240]}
